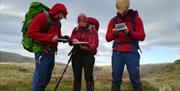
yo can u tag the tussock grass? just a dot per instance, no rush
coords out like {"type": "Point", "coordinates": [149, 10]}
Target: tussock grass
{"type": "Point", "coordinates": [18, 77]}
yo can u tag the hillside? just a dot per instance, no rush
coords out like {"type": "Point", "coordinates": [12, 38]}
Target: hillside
{"type": "Point", "coordinates": [13, 57]}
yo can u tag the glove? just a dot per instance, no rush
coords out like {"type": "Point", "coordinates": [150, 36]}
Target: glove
{"type": "Point", "coordinates": [66, 37]}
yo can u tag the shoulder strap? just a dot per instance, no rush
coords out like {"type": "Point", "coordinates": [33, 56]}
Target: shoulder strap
{"type": "Point", "coordinates": [46, 28]}
{"type": "Point", "coordinates": [76, 29]}
{"type": "Point", "coordinates": [90, 29]}
{"type": "Point", "coordinates": [132, 19]}
{"type": "Point", "coordinates": [115, 20]}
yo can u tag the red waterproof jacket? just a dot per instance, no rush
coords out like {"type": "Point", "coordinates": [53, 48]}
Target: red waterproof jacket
{"type": "Point", "coordinates": [40, 21]}
{"type": "Point", "coordinates": [134, 35]}
{"type": "Point", "coordinates": [90, 36]}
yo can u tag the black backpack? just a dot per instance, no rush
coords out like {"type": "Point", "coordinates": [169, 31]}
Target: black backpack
{"type": "Point", "coordinates": [132, 19]}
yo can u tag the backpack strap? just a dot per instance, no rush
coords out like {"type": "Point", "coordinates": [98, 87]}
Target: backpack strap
{"type": "Point", "coordinates": [115, 20]}
{"type": "Point", "coordinates": [132, 19]}
{"type": "Point", "coordinates": [77, 29]}
{"type": "Point", "coordinates": [90, 29]}
{"type": "Point", "coordinates": [46, 28]}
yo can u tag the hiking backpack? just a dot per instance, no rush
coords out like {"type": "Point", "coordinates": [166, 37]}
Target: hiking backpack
{"type": "Point", "coordinates": [135, 43]}
{"type": "Point", "coordinates": [28, 43]}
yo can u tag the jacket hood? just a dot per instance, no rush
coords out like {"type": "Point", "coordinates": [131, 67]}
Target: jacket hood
{"type": "Point", "coordinates": [58, 8]}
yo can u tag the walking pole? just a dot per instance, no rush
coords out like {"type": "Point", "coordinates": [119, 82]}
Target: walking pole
{"type": "Point", "coordinates": [69, 54]}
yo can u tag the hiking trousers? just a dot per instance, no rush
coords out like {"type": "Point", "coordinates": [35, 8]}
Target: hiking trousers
{"type": "Point", "coordinates": [86, 62]}
{"type": "Point", "coordinates": [131, 60]}
{"type": "Point", "coordinates": [44, 64]}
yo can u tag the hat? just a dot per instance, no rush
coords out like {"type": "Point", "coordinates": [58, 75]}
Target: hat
{"type": "Point", "coordinates": [82, 20]}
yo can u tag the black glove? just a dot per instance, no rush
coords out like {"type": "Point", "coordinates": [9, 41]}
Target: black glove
{"type": "Point", "coordinates": [66, 37]}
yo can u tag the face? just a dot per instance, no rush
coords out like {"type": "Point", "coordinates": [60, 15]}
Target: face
{"type": "Point", "coordinates": [82, 23]}
{"type": "Point", "coordinates": [123, 11]}
{"type": "Point", "coordinates": [59, 16]}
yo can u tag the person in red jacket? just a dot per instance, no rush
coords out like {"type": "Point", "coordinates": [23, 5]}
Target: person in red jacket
{"type": "Point", "coordinates": [85, 42]}
{"type": "Point", "coordinates": [45, 60]}
{"type": "Point", "coordinates": [126, 30]}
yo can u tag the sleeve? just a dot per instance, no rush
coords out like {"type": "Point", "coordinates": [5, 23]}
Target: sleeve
{"type": "Point", "coordinates": [109, 34]}
{"type": "Point", "coordinates": [34, 30]}
{"type": "Point", "coordinates": [60, 34]}
{"type": "Point", "coordinates": [138, 34]}
{"type": "Point", "coordinates": [72, 36]}
{"type": "Point", "coordinates": [94, 44]}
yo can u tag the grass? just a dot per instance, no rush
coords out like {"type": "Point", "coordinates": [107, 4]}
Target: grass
{"type": "Point", "coordinates": [18, 77]}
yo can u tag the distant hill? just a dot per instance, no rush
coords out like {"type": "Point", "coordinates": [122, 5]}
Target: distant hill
{"type": "Point", "coordinates": [147, 70]}
{"type": "Point", "coordinates": [13, 57]}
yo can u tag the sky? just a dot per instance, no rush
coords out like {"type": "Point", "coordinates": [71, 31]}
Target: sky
{"type": "Point", "coordinates": [161, 19]}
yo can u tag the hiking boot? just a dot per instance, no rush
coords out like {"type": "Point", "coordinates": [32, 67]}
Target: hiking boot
{"type": "Point", "coordinates": [77, 86]}
{"type": "Point", "coordinates": [138, 89]}
{"type": "Point", "coordinates": [115, 87]}
{"type": "Point", "coordinates": [89, 86]}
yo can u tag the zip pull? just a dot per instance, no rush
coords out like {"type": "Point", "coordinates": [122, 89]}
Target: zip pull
{"type": "Point", "coordinates": [39, 59]}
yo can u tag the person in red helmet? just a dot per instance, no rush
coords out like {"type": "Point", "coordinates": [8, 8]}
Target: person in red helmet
{"type": "Point", "coordinates": [125, 30]}
{"type": "Point", "coordinates": [84, 39]}
{"type": "Point", "coordinates": [45, 60]}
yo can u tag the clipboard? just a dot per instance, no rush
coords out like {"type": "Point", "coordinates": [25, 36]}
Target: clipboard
{"type": "Point", "coordinates": [62, 40]}
{"type": "Point", "coordinates": [80, 43]}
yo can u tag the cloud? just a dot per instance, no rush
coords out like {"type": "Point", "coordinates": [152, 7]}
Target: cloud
{"type": "Point", "coordinates": [163, 33]}
{"type": "Point", "coordinates": [11, 23]}
{"type": "Point", "coordinates": [3, 7]}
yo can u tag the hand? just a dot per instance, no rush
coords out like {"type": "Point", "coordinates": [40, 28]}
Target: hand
{"type": "Point", "coordinates": [84, 47]}
{"type": "Point", "coordinates": [127, 31]}
{"type": "Point", "coordinates": [55, 38]}
{"type": "Point", "coordinates": [66, 37]}
{"type": "Point", "coordinates": [115, 33]}
{"type": "Point", "coordinates": [75, 40]}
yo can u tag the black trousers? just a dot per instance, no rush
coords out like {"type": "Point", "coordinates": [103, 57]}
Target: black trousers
{"type": "Point", "coordinates": [86, 62]}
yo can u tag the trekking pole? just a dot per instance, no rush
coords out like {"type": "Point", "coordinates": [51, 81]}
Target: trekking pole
{"type": "Point", "coordinates": [69, 54]}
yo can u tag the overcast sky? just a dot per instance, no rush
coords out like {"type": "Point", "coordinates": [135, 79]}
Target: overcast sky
{"type": "Point", "coordinates": [161, 20]}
